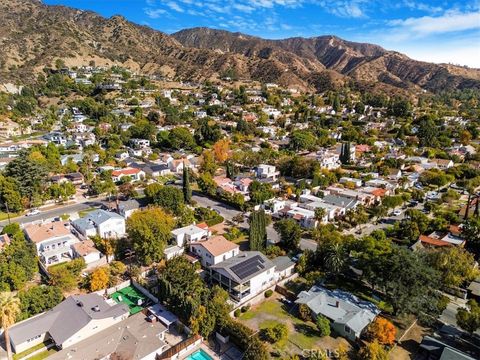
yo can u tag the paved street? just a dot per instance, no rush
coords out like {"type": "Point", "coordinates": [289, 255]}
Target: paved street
{"type": "Point", "coordinates": [57, 211]}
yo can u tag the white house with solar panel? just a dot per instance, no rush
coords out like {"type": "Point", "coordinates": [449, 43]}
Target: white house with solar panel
{"type": "Point", "coordinates": [246, 275]}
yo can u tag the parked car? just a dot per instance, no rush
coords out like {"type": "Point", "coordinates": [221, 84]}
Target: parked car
{"type": "Point", "coordinates": [397, 212]}
{"type": "Point", "coordinates": [33, 212]}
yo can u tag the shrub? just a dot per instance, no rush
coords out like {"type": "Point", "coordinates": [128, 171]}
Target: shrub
{"type": "Point", "coordinates": [237, 313]}
{"type": "Point", "coordinates": [323, 325]}
{"type": "Point", "coordinates": [268, 293]}
{"type": "Point", "coordinates": [245, 308]}
{"type": "Point", "coordinates": [304, 312]}
{"type": "Point", "coordinates": [276, 333]}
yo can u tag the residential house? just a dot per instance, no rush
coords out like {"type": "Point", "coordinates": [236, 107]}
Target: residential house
{"type": "Point", "coordinates": [140, 143]}
{"type": "Point", "coordinates": [443, 164]}
{"type": "Point", "coordinates": [365, 199]}
{"type": "Point", "coordinates": [53, 241]}
{"type": "Point", "coordinates": [176, 165]}
{"type": "Point", "coordinates": [100, 222]}
{"type": "Point", "coordinates": [437, 240]}
{"type": "Point", "coordinates": [121, 155]}
{"type": "Point", "coordinates": [347, 180]}
{"type": "Point", "coordinates": [134, 174]}
{"type": "Point", "coordinates": [434, 349]}
{"type": "Point", "coordinates": [190, 234]}
{"type": "Point", "coordinates": [284, 267]}
{"type": "Point", "coordinates": [214, 250]}
{"type": "Point", "coordinates": [267, 172]}
{"type": "Point", "coordinates": [304, 217]}
{"type": "Point", "coordinates": [133, 338]}
{"type": "Point", "coordinates": [327, 159]}
{"type": "Point", "coordinates": [86, 249]}
{"type": "Point", "coordinates": [348, 315]}
{"type": "Point", "coordinates": [76, 318]}
{"type": "Point", "coordinates": [244, 276]}
{"type": "Point", "coordinates": [156, 170]}
{"type": "Point", "coordinates": [128, 207]}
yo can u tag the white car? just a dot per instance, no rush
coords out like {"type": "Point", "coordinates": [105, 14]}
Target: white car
{"type": "Point", "coordinates": [397, 212]}
{"type": "Point", "coordinates": [33, 212]}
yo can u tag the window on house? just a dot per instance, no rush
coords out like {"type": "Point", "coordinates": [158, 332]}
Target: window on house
{"type": "Point", "coordinates": [347, 329]}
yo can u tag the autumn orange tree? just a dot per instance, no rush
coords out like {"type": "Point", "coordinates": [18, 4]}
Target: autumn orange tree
{"type": "Point", "coordinates": [383, 331]}
{"type": "Point", "coordinates": [99, 279]}
{"type": "Point", "coordinates": [221, 150]}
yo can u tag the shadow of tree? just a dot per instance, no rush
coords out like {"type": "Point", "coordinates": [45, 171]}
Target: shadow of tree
{"type": "Point", "coordinates": [306, 329]}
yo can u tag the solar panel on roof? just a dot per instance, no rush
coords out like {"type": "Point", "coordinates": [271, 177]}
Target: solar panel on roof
{"type": "Point", "coordinates": [248, 267]}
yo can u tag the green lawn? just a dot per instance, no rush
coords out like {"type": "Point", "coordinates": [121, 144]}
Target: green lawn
{"type": "Point", "coordinates": [82, 213]}
{"type": "Point", "coordinates": [4, 215]}
{"type": "Point", "coordinates": [302, 334]}
{"type": "Point", "coordinates": [43, 355]}
{"type": "Point", "coordinates": [39, 356]}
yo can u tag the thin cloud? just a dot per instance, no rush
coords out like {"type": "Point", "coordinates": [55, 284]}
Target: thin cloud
{"type": "Point", "coordinates": [174, 6]}
{"type": "Point", "coordinates": [450, 21]}
{"type": "Point", "coordinates": [154, 13]}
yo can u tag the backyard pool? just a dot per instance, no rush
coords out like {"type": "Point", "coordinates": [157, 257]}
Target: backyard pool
{"type": "Point", "coordinates": [199, 355]}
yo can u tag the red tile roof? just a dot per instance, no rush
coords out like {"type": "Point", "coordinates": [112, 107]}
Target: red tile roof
{"type": "Point", "coordinates": [432, 241]}
{"type": "Point", "coordinates": [126, 171]}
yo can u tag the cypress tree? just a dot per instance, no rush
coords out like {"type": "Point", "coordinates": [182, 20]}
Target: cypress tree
{"type": "Point", "coordinates": [258, 232]}
{"type": "Point", "coordinates": [187, 191]}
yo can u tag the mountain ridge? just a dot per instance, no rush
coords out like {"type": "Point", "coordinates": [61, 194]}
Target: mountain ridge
{"type": "Point", "coordinates": [33, 35]}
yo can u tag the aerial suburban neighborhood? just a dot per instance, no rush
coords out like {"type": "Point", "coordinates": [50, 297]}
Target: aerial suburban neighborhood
{"type": "Point", "coordinates": [150, 216]}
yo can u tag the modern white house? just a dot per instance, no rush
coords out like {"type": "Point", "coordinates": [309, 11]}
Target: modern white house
{"type": "Point", "coordinates": [267, 172]}
{"type": "Point", "coordinates": [100, 222]}
{"type": "Point", "coordinates": [244, 276]}
{"type": "Point", "coordinates": [214, 250]}
{"type": "Point", "coordinates": [73, 320]}
{"type": "Point", "coordinates": [53, 241]}
{"type": "Point", "coordinates": [191, 233]}
{"type": "Point", "coordinates": [348, 315]}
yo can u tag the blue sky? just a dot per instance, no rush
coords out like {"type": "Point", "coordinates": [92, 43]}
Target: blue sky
{"type": "Point", "coordinates": [429, 30]}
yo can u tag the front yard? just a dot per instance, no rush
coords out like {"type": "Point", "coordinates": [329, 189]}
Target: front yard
{"type": "Point", "coordinates": [301, 335]}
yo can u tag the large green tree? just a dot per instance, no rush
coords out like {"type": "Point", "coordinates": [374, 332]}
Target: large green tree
{"type": "Point", "coordinates": [149, 231]}
{"type": "Point", "coordinates": [38, 299]}
{"type": "Point", "coordinates": [290, 233]}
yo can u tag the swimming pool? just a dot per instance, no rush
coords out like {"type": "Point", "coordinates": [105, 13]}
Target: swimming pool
{"type": "Point", "coordinates": [199, 355]}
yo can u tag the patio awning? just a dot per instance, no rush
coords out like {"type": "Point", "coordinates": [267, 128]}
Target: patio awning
{"type": "Point", "coordinates": [162, 314]}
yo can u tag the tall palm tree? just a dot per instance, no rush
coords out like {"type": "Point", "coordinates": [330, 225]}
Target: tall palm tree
{"type": "Point", "coordinates": [9, 309]}
{"type": "Point", "coordinates": [335, 259]}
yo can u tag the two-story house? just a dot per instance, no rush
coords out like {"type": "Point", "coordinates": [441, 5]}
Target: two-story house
{"type": "Point", "coordinates": [214, 250]}
{"type": "Point", "coordinates": [53, 241]}
{"type": "Point", "coordinates": [100, 222]}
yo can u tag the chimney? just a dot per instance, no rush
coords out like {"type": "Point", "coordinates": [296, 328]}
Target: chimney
{"type": "Point", "coordinates": [337, 304]}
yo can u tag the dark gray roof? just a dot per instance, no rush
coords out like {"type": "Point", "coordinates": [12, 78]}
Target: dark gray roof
{"type": "Point", "coordinates": [133, 338]}
{"type": "Point", "coordinates": [244, 266]}
{"type": "Point", "coordinates": [442, 350]}
{"type": "Point", "coordinates": [340, 201]}
{"type": "Point", "coordinates": [67, 318]}
{"type": "Point", "coordinates": [159, 167]}
{"type": "Point", "coordinates": [282, 263]}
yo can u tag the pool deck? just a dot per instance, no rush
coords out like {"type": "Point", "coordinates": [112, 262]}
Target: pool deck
{"type": "Point", "coordinates": [205, 348]}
